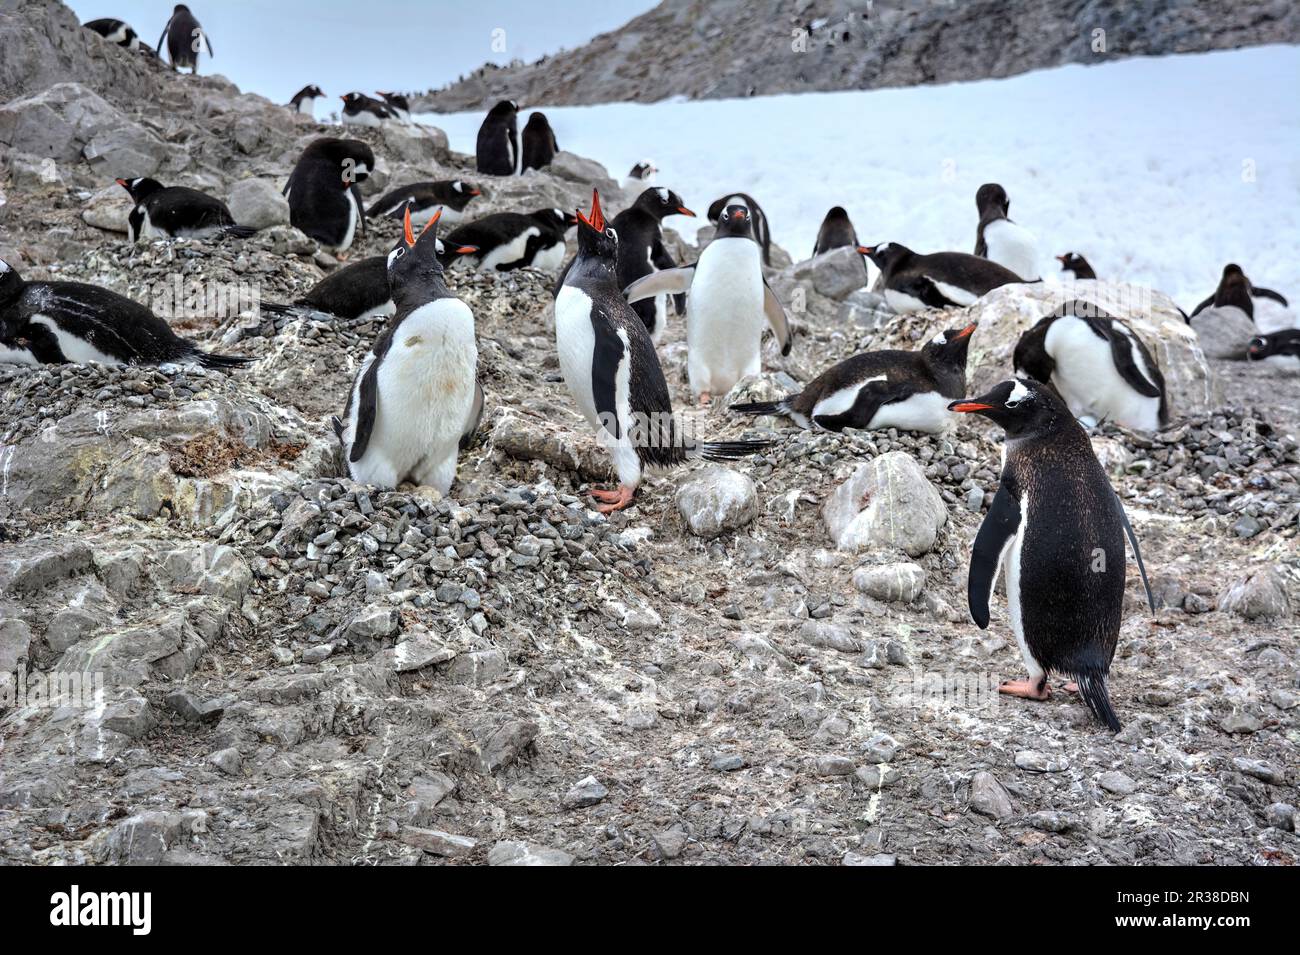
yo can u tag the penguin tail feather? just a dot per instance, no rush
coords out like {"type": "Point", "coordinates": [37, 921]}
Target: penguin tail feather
{"type": "Point", "coordinates": [279, 308]}
{"type": "Point", "coordinates": [221, 362]}
{"type": "Point", "coordinates": [238, 231]}
{"type": "Point", "coordinates": [730, 450]}
{"type": "Point", "coordinates": [337, 424]}
{"type": "Point", "coordinates": [1092, 687]}
{"type": "Point", "coordinates": [761, 407]}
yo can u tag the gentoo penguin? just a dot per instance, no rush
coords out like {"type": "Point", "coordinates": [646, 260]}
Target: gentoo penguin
{"type": "Point", "coordinates": [610, 367]}
{"type": "Point", "coordinates": [641, 250]}
{"type": "Point", "coordinates": [304, 101]}
{"type": "Point", "coordinates": [362, 110]}
{"type": "Point", "coordinates": [1056, 531]}
{"type": "Point", "coordinates": [729, 302]}
{"type": "Point", "coordinates": [416, 394]}
{"type": "Point", "coordinates": [44, 323]}
{"type": "Point", "coordinates": [540, 146]}
{"type": "Point", "coordinates": [915, 282]}
{"type": "Point", "coordinates": [1268, 309]}
{"type": "Point", "coordinates": [176, 212]}
{"type": "Point", "coordinates": [908, 390]}
{"type": "Point", "coordinates": [642, 175]}
{"type": "Point", "coordinates": [424, 198]}
{"type": "Point", "coordinates": [397, 104]}
{"type": "Point", "coordinates": [760, 231]}
{"type": "Point", "coordinates": [324, 198]}
{"type": "Point", "coordinates": [513, 240]}
{"type": "Point", "coordinates": [115, 31]}
{"type": "Point", "coordinates": [356, 291]}
{"type": "Point", "coordinates": [1283, 346]}
{"type": "Point", "coordinates": [836, 233]}
{"type": "Point", "coordinates": [1076, 265]}
{"type": "Point", "coordinates": [183, 34]}
{"type": "Point", "coordinates": [497, 149]}
{"type": "Point", "coordinates": [1000, 240]}
{"type": "Point", "coordinates": [1097, 364]}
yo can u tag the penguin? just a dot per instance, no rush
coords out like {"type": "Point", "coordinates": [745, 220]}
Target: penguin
{"type": "Point", "coordinates": [1097, 364]}
{"type": "Point", "coordinates": [729, 301]}
{"type": "Point", "coordinates": [836, 232]}
{"type": "Point", "coordinates": [497, 149]}
{"type": "Point", "coordinates": [397, 104]}
{"type": "Point", "coordinates": [362, 110]}
{"type": "Point", "coordinates": [116, 31]}
{"type": "Point", "coordinates": [1281, 347]}
{"type": "Point", "coordinates": [424, 198]}
{"type": "Point", "coordinates": [514, 240]}
{"type": "Point", "coordinates": [1268, 309]}
{"type": "Point", "coordinates": [641, 251]}
{"type": "Point", "coordinates": [176, 212]}
{"type": "Point", "coordinates": [915, 282]}
{"type": "Point", "coordinates": [641, 175]}
{"type": "Point", "coordinates": [1056, 532]}
{"type": "Point", "coordinates": [416, 394]}
{"type": "Point", "coordinates": [1076, 266]}
{"type": "Point", "coordinates": [304, 101]}
{"type": "Point", "coordinates": [1000, 240]}
{"type": "Point", "coordinates": [358, 291]}
{"type": "Point", "coordinates": [612, 371]}
{"type": "Point", "coordinates": [45, 323]}
{"type": "Point", "coordinates": [540, 146]}
{"type": "Point", "coordinates": [762, 234]}
{"type": "Point", "coordinates": [907, 390]}
{"type": "Point", "coordinates": [324, 198]}
{"type": "Point", "coordinates": [183, 35]}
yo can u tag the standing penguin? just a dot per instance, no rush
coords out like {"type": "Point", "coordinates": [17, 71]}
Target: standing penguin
{"type": "Point", "coordinates": [999, 239]}
{"type": "Point", "coordinates": [1269, 310]}
{"type": "Point", "coordinates": [184, 36]}
{"type": "Point", "coordinates": [915, 282]}
{"type": "Point", "coordinates": [497, 148]}
{"type": "Point", "coordinates": [304, 101]}
{"type": "Point", "coordinates": [1076, 266]}
{"type": "Point", "coordinates": [641, 250]}
{"type": "Point", "coordinates": [1097, 364]}
{"type": "Point", "coordinates": [761, 233]}
{"type": "Point", "coordinates": [115, 31]}
{"type": "Point", "coordinates": [425, 198]}
{"type": "Point", "coordinates": [324, 201]}
{"type": "Point", "coordinates": [416, 394]}
{"type": "Point", "coordinates": [908, 390]}
{"type": "Point", "coordinates": [1056, 531]}
{"type": "Point", "coordinates": [836, 232]}
{"type": "Point", "coordinates": [729, 301]}
{"type": "Point", "coordinates": [540, 146]}
{"type": "Point", "coordinates": [611, 369]}
{"type": "Point", "coordinates": [176, 212]}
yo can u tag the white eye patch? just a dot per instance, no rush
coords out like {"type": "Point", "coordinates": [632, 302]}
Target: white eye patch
{"type": "Point", "coordinates": [395, 255]}
{"type": "Point", "coordinates": [1019, 392]}
{"type": "Point", "coordinates": [663, 194]}
{"type": "Point", "coordinates": [940, 339]}
{"type": "Point", "coordinates": [457, 186]}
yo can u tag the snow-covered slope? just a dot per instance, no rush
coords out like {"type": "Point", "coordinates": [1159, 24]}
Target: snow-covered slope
{"type": "Point", "coordinates": [1158, 170]}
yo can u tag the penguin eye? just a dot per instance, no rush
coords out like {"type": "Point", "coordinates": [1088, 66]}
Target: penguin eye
{"type": "Point", "coordinates": [612, 234]}
{"type": "Point", "coordinates": [1011, 403]}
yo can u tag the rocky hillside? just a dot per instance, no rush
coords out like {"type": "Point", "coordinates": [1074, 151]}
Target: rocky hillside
{"type": "Point", "coordinates": [706, 49]}
{"type": "Point", "coordinates": [765, 663]}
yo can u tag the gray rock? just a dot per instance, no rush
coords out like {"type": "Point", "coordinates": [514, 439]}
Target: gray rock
{"type": "Point", "coordinates": [108, 209]}
{"type": "Point", "coordinates": [716, 500]}
{"type": "Point", "coordinates": [1241, 722]}
{"type": "Point", "coordinates": [865, 309]}
{"type": "Point", "coordinates": [898, 582]}
{"type": "Point", "coordinates": [15, 644]}
{"type": "Point", "coordinates": [373, 623]}
{"type": "Point", "coordinates": [881, 748]}
{"type": "Point", "coordinates": [888, 502]}
{"type": "Point", "coordinates": [728, 763]}
{"type": "Point", "coordinates": [1224, 333]}
{"type": "Point", "coordinates": [989, 797]}
{"type": "Point", "coordinates": [478, 667]}
{"type": "Point", "coordinates": [505, 744]}
{"type": "Point", "coordinates": [834, 766]}
{"type": "Point", "coordinates": [879, 859]}
{"type": "Point", "coordinates": [1261, 596]}
{"type": "Point", "coordinates": [1281, 815]}
{"type": "Point", "coordinates": [1033, 761]}
{"type": "Point", "coordinates": [671, 842]}
{"type": "Point", "coordinates": [526, 853]}
{"type": "Point", "coordinates": [436, 842]}
{"type": "Point", "coordinates": [228, 760]}
{"type": "Point", "coordinates": [257, 203]}
{"type": "Point", "coordinates": [1260, 769]}
{"type": "Point", "coordinates": [1117, 783]}
{"type": "Point", "coordinates": [835, 274]}
{"type": "Point", "coordinates": [192, 708]}
{"type": "Point", "coordinates": [1050, 821]}
{"type": "Point", "coordinates": [587, 791]}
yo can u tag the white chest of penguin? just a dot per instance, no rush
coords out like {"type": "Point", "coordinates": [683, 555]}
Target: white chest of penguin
{"type": "Point", "coordinates": [1013, 247]}
{"type": "Point", "coordinates": [1088, 380]}
{"type": "Point", "coordinates": [724, 314]}
{"type": "Point", "coordinates": [426, 381]}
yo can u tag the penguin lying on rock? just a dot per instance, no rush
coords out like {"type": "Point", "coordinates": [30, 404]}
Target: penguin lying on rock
{"type": "Point", "coordinates": [362, 110]}
{"type": "Point", "coordinates": [416, 395]}
{"type": "Point", "coordinates": [397, 104]}
{"type": "Point", "coordinates": [914, 282]}
{"type": "Point", "coordinates": [424, 199]}
{"type": "Point", "coordinates": [115, 31]}
{"type": "Point", "coordinates": [1282, 347]}
{"type": "Point", "coordinates": [1056, 531]}
{"type": "Point", "coordinates": [908, 390]}
{"type": "Point", "coordinates": [610, 367]}
{"type": "Point", "coordinates": [47, 323]}
{"type": "Point", "coordinates": [1097, 364]}
{"type": "Point", "coordinates": [512, 240]}
{"type": "Point", "coordinates": [177, 212]}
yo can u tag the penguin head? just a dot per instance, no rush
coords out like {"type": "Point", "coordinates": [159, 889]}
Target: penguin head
{"type": "Point", "coordinates": [556, 219]}
{"type": "Point", "coordinates": [644, 170]}
{"type": "Point", "coordinates": [736, 220]}
{"type": "Point", "coordinates": [449, 254]}
{"type": "Point", "coordinates": [662, 203]}
{"type": "Point", "coordinates": [1020, 406]}
{"type": "Point", "coordinates": [949, 348]}
{"type": "Point", "coordinates": [885, 255]}
{"type": "Point", "coordinates": [1260, 347]}
{"type": "Point", "coordinates": [1073, 262]}
{"type": "Point", "coordinates": [141, 188]}
{"type": "Point", "coordinates": [506, 107]}
{"type": "Point", "coordinates": [351, 157]}
{"type": "Point", "coordinates": [837, 213]}
{"type": "Point", "coordinates": [537, 121]}
{"type": "Point", "coordinates": [596, 237]}
{"type": "Point", "coordinates": [992, 198]}
{"type": "Point", "coordinates": [416, 256]}
{"type": "Point", "coordinates": [10, 282]}
{"type": "Point", "coordinates": [467, 188]}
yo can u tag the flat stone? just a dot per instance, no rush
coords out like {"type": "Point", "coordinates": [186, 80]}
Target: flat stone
{"type": "Point", "coordinates": [989, 797]}
{"type": "Point", "coordinates": [526, 853]}
{"type": "Point", "coordinates": [1035, 762]}
{"type": "Point", "coordinates": [587, 791]}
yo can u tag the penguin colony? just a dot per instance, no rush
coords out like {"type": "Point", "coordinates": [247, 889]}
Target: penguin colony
{"type": "Point", "coordinates": [416, 401]}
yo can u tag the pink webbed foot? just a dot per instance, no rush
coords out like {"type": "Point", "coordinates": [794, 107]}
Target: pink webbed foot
{"type": "Point", "coordinates": [1027, 689]}
{"type": "Point", "coordinates": [612, 500]}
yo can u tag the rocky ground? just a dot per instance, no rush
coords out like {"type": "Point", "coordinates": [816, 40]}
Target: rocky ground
{"type": "Point", "coordinates": [770, 662]}
{"type": "Point", "coordinates": [709, 49]}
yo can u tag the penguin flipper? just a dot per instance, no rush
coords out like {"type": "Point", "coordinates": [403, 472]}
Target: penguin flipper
{"type": "Point", "coordinates": [1269, 293]}
{"type": "Point", "coordinates": [870, 398]}
{"type": "Point", "coordinates": [665, 282]}
{"type": "Point", "coordinates": [776, 317]}
{"type": "Point", "coordinates": [1137, 552]}
{"type": "Point", "coordinates": [921, 288]}
{"type": "Point", "coordinates": [999, 527]}
{"type": "Point", "coordinates": [367, 408]}
{"type": "Point", "coordinates": [475, 416]}
{"type": "Point", "coordinates": [1121, 351]}
{"type": "Point", "coordinates": [951, 294]}
{"type": "Point", "coordinates": [1198, 309]}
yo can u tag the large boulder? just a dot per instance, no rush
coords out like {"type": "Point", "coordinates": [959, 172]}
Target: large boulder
{"type": "Point", "coordinates": [717, 500]}
{"type": "Point", "coordinates": [888, 502]}
{"type": "Point", "coordinates": [257, 203]}
{"type": "Point", "coordinates": [1224, 333]}
{"type": "Point", "coordinates": [835, 274]}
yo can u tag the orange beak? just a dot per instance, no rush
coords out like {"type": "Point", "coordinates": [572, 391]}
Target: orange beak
{"type": "Point", "coordinates": [432, 220]}
{"type": "Point", "coordinates": [965, 407]}
{"type": "Point", "coordinates": [466, 249]}
{"type": "Point", "coordinates": [866, 249]}
{"type": "Point", "coordinates": [683, 211]}
{"type": "Point", "coordinates": [406, 227]}
{"type": "Point", "coordinates": [475, 192]}
{"type": "Point", "coordinates": [1061, 259]}
{"type": "Point", "coordinates": [122, 183]}
{"type": "Point", "coordinates": [966, 332]}
{"type": "Point", "coordinates": [597, 220]}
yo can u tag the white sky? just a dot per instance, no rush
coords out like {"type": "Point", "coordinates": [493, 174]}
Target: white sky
{"type": "Point", "coordinates": [276, 47]}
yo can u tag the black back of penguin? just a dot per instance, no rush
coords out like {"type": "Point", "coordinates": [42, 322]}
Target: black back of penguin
{"type": "Point", "coordinates": [184, 35]}
{"type": "Point", "coordinates": [175, 210]}
{"type": "Point", "coordinates": [992, 202]}
{"type": "Point", "coordinates": [640, 242]}
{"type": "Point", "coordinates": [318, 188]}
{"type": "Point", "coordinates": [115, 31]}
{"type": "Point", "coordinates": [540, 146]}
{"type": "Point", "coordinates": [836, 232]}
{"type": "Point", "coordinates": [498, 140]}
